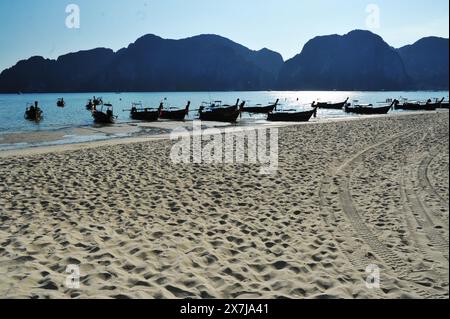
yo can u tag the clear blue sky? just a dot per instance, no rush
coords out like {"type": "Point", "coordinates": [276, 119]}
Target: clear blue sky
{"type": "Point", "coordinates": [37, 27]}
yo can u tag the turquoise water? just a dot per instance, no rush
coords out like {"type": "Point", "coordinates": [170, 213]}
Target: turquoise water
{"type": "Point", "coordinates": [12, 106]}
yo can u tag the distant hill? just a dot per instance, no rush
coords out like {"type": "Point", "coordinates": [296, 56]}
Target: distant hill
{"type": "Point", "coordinates": [69, 73]}
{"type": "Point", "coordinates": [359, 60]}
{"type": "Point", "coordinates": [205, 62]}
{"type": "Point", "coordinates": [426, 61]}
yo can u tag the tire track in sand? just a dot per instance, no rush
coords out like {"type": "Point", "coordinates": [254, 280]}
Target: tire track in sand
{"type": "Point", "coordinates": [424, 180]}
{"type": "Point", "coordinates": [428, 222]}
{"type": "Point", "coordinates": [414, 199]}
{"type": "Point", "coordinates": [341, 180]}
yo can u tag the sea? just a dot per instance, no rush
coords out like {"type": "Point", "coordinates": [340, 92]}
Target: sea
{"type": "Point", "coordinates": [75, 115]}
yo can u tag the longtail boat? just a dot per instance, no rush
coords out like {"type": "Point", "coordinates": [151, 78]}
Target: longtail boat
{"type": "Point", "coordinates": [101, 117]}
{"type": "Point", "coordinates": [139, 113]}
{"type": "Point", "coordinates": [259, 109]}
{"type": "Point", "coordinates": [33, 112]}
{"type": "Point", "coordinates": [369, 109]}
{"type": "Point", "coordinates": [304, 116]}
{"type": "Point", "coordinates": [60, 103]}
{"type": "Point", "coordinates": [333, 106]}
{"type": "Point", "coordinates": [175, 115]}
{"type": "Point", "coordinates": [417, 106]}
{"type": "Point", "coordinates": [221, 113]}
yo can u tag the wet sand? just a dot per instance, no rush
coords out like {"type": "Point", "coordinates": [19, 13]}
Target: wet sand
{"type": "Point", "coordinates": [99, 133]}
{"type": "Point", "coordinates": [347, 194]}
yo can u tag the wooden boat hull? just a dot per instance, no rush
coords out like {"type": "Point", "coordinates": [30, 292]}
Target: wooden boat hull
{"type": "Point", "coordinates": [173, 115]}
{"type": "Point", "coordinates": [150, 116]}
{"type": "Point", "coordinates": [331, 106]}
{"type": "Point", "coordinates": [178, 115]}
{"type": "Point", "coordinates": [220, 115]}
{"type": "Point", "coordinates": [102, 118]}
{"type": "Point", "coordinates": [291, 117]}
{"type": "Point", "coordinates": [259, 109]}
{"type": "Point", "coordinates": [416, 107]}
{"type": "Point", "coordinates": [368, 110]}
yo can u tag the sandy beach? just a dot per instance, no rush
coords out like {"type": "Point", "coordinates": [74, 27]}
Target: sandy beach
{"type": "Point", "coordinates": [347, 194]}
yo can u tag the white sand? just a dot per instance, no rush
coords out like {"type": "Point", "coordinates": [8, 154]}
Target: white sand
{"type": "Point", "coordinates": [347, 194]}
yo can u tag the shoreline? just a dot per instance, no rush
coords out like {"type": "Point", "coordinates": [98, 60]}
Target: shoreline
{"type": "Point", "coordinates": [135, 132]}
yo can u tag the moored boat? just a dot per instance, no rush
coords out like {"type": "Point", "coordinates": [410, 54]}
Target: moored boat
{"type": "Point", "coordinates": [304, 116]}
{"type": "Point", "coordinates": [408, 106]}
{"type": "Point", "coordinates": [369, 109]}
{"type": "Point", "coordinates": [259, 109]}
{"type": "Point", "coordinates": [217, 105]}
{"type": "Point", "coordinates": [221, 113]}
{"type": "Point", "coordinates": [33, 112]}
{"type": "Point", "coordinates": [60, 102]}
{"type": "Point", "coordinates": [418, 106]}
{"type": "Point", "coordinates": [102, 117]}
{"type": "Point", "coordinates": [333, 106]}
{"type": "Point", "coordinates": [175, 115]}
{"type": "Point", "coordinates": [140, 113]}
